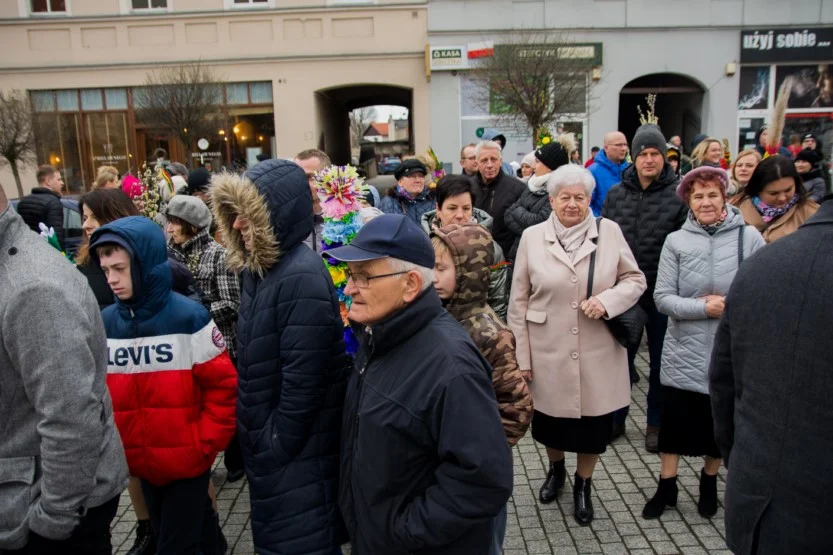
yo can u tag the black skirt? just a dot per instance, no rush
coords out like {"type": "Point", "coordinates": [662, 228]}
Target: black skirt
{"type": "Point", "coordinates": [588, 434]}
{"type": "Point", "coordinates": [687, 425]}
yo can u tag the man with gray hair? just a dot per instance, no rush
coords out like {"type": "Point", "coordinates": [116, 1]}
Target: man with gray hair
{"type": "Point", "coordinates": [495, 190]}
{"type": "Point", "coordinates": [425, 466]}
{"type": "Point", "coordinates": [62, 464]}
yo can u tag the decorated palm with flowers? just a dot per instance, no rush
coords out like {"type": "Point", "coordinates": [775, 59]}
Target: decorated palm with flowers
{"type": "Point", "coordinates": [150, 202]}
{"type": "Point", "coordinates": [340, 191]}
{"type": "Point", "coordinates": [438, 172]}
{"type": "Point", "coordinates": [543, 137]}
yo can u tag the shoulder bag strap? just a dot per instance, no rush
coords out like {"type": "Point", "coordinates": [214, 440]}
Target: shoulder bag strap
{"type": "Point", "coordinates": [740, 244]}
{"type": "Point", "coordinates": [592, 270]}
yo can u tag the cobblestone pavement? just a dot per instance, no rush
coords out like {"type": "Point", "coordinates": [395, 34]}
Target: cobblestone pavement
{"type": "Point", "coordinates": [625, 479]}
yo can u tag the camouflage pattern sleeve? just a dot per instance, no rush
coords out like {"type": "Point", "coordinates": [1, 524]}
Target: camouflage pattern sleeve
{"type": "Point", "coordinates": [513, 396]}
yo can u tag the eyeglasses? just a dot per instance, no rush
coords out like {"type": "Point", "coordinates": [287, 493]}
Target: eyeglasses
{"type": "Point", "coordinates": [619, 145]}
{"type": "Point", "coordinates": [362, 281]}
{"type": "Point", "coordinates": [470, 158]}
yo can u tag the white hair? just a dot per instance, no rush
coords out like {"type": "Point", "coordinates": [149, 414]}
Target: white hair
{"type": "Point", "coordinates": [487, 145]}
{"type": "Point", "coordinates": [569, 175]}
{"type": "Point", "coordinates": [427, 274]}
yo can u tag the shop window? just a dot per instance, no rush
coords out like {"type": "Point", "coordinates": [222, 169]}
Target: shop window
{"type": "Point", "coordinates": [43, 101]}
{"type": "Point", "coordinates": [149, 4]}
{"type": "Point", "coordinates": [108, 141]}
{"type": "Point", "coordinates": [49, 6]}
{"type": "Point", "coordinates": [116, 99]}
{"type": "Point", "coordinates": [57, 143]}
{"type": "Point", "coordinates": [237, 93]}
{"type": "Point", "coordinates": [472, 93]}
{"type": "Point", "coordinates": [91, 99]}
{"type": "Point", "coordinates": [67, 101]}
{"type": "Point", "coordinates": [261, 93]}
{"type": "Point", "coordinates": [570, 93]}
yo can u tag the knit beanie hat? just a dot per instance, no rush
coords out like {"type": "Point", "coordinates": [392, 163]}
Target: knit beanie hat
{"type": "Point", "coordinates": [198, 180]}
{"type": "Point", "coordinates": [808, 155]}
{"type": "Point", "coordinates": [553, 155]}
{"type": "Point", "coordinates": [529, 159]}
{"type": "Point", "coordinates": [648, 136]}
{"type": "Point", "coordinates": [189, 209]}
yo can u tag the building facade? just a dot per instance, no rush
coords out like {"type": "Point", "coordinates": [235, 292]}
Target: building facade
{"type": "Point", "coordinates": [688, 53]}
{"type": "Point", "coordinates": [290, 76]}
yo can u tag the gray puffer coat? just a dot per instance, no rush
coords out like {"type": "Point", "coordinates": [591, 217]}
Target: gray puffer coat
{"type": "Point", "coordinates": [694, 264]}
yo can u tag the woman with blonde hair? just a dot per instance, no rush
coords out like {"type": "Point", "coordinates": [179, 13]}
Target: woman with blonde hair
{"type": "Point", "coordinates": [107, 177]}
{"type": "Point", "coordinates": [742, 169]}
{"type": "Point", "coordinates": [708, 153]}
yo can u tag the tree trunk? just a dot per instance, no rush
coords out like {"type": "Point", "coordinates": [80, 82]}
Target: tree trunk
{"type": "Point", "coordinates": [17, 181]}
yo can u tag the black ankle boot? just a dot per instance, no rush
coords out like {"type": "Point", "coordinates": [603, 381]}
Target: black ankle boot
{"type": "Point", "coordinates": [554, 482]}
{"type": "Point", "coordinates": [707, 504]}
{"type": "Point", "coordinates": [666, 496]}
{"type": "Point", "coordinates": [145, 543]}
{"type": "Point", "coordinates": [582, 501]}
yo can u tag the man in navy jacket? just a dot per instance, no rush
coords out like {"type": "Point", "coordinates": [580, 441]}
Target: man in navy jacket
{"type": "Point", "coordinates": [425, 466]}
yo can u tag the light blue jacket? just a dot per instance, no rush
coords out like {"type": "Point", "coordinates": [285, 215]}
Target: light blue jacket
{"type": "Point", "coordinates": [694, 264]}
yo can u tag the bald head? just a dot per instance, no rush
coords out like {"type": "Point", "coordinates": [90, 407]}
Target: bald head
{"type": "Point", "coordinates": [616, 146]}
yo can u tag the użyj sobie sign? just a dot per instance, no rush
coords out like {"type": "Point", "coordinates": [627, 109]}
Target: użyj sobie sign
{"type": "Point", "coordinates": [448, 58]}
{"type": "Point", "coordinates": [803, 44]}
{"type": "Point", "coordinates": [589, 53]}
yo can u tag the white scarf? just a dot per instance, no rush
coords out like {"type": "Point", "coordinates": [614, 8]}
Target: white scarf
{"type": "Point", "coordinates": [538, 183]}
{"type": "Point", "coordinates": [571, 238]}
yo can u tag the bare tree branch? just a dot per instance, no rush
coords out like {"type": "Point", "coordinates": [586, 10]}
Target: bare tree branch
{"type": "Point", "coordinates": [533, 79]}
{"type": "Point", "coordinates": [360, 119]}
{"type": "Point", "coordinates": [186, 100]}
{"type": "Point", "coordinates": [17, 141]}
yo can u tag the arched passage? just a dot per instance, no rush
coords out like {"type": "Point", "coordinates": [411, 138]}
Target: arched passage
{"type": "Point", "coordinates": [679, 105]}
{"type": "Point", "coordinates": [333, 106]}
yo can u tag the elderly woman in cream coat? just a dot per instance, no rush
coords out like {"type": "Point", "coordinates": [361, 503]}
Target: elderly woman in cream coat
{"type": "Point", "coordinates": [576, 370]}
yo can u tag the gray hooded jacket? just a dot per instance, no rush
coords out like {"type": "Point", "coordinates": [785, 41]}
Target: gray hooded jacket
{"type": "Point", "coordinates": [694, 264]}
{"type": "Point", "coordinates": [498, 288]}
{"type": "Point", "coordinates": [60, 452]}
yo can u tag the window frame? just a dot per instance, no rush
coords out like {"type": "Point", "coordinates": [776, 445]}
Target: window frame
{"type": "Point", "coordinates": [249, 5]}
{"type": "Point", "coordinates": [128, 9]}
{"type": "Point", "coordinates": [26, 8]}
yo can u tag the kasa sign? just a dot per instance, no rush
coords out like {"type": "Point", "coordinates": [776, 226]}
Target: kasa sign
{"type": "Point", "coordinates": [787, 45]}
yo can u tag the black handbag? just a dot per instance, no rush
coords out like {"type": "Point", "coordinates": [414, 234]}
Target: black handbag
{"type": "Point", "coordinates": [626, 328]}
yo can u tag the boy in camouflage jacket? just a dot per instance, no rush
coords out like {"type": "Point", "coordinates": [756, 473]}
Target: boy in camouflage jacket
{"type": "Point", "coordinates": [464, 256]}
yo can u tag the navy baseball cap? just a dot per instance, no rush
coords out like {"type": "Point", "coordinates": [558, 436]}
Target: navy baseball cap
{"type": "Point", "coordinates": [388, 236]}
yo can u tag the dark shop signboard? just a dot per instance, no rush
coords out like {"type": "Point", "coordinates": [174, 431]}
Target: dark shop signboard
{"type": "Point", "coordinates": [802, 44]}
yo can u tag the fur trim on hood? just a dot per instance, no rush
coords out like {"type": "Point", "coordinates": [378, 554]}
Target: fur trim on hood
{"type": "Point", "coordinates": [233, 195]}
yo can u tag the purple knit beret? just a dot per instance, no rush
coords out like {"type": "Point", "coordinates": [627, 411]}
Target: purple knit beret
{"type": "Point", "coordinates": [703, 173]}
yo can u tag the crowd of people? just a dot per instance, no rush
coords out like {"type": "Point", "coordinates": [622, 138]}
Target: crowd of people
{"type": "Point", "coordinates": [485, 305]}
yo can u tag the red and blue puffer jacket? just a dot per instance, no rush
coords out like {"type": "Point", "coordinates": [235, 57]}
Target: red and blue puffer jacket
{"type": "Point", "coordinates": [173, 385]}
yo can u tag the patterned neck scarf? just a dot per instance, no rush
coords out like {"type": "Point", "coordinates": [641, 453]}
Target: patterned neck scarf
{"type": "Point", "coordinates": [403, 194]}
{"type": "Point", "coordinates": [769, 213]}
{"type": "Point", "coordinates": [712, 228]}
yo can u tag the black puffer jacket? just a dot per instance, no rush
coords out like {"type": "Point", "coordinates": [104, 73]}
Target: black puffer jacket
{"type": "Point", "coordinates": [495, 198]}
{"type": "Point", "coordinates": [647, 217]}
{"type": "Point", "coordinates": [291, 361]}
{"type": "Point", "coordinates": [425, 464]}
{"type": "Point", "coordinates": [43, 206]}
{"type": "Point", "coordinates": [531, 209]}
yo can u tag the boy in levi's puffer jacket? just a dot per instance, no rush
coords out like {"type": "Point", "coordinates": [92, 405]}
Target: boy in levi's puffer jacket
{"type": "Point", "coordinates": [172, 383]}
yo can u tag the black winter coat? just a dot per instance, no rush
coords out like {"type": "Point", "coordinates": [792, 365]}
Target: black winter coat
{"type": "Point", "coordinates": [291, 361]}
{"type": "Point", "coordinates": [647, 217]}
{"type": "Point", "coordinates": [495, 198]}
{"type": "Point", "coordinates": [529, 210]}
{"type": "Point", "coordinates": [771, 385]}
{"type": "Point", "coordinates": [425, 464]}
{"type": "Point", "coordinates": [43, 206]}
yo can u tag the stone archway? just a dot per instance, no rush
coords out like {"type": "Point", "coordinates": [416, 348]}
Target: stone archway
{"type": "Point", "coordinates": [679, 105]}
{"type": "Point", "coordinates": [334, 104]}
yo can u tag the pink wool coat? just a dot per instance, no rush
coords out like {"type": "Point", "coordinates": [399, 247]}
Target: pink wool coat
{"type": "Point", "coordinates": [578, 368]}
